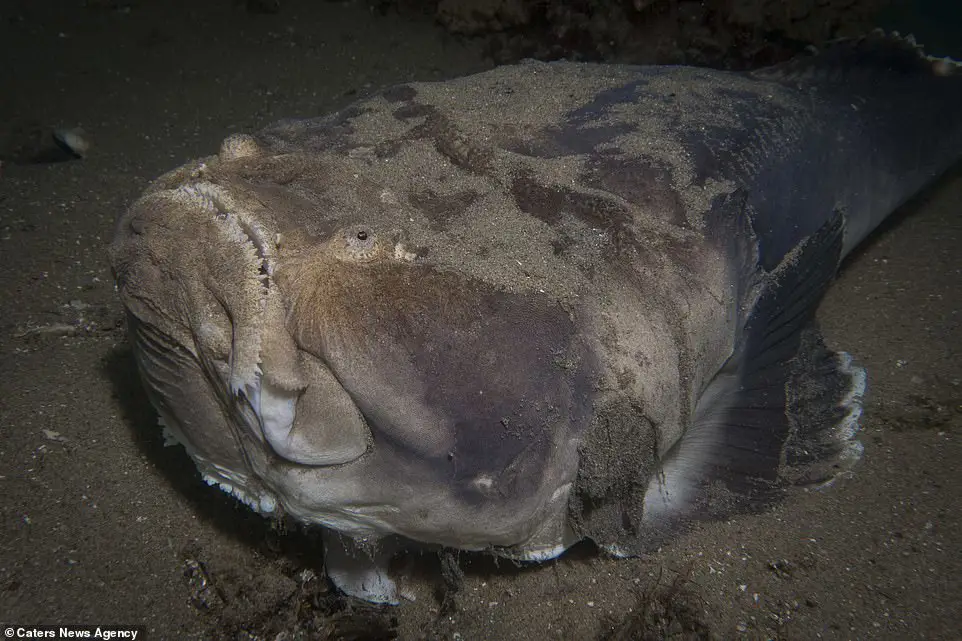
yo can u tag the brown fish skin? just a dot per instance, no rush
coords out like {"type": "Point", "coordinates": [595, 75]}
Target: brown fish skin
{"type": "Point", "coordinates": [539, 304]}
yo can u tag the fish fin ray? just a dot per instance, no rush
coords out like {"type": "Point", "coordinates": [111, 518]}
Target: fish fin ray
{"type": "Point", "coordinates": [874, 53]}
{"type": "Point", "coordinates": [783, 411]}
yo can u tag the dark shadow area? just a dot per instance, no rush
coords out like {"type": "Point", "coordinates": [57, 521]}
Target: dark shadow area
{"type": "Point", "coordinates": [229, 516]}
{"type": "Point", "coordinates": [709, 33]}
{"type": "Point", "coordinates": [304, 601]}
{"type": "Point", "coordinates": [934, 21]}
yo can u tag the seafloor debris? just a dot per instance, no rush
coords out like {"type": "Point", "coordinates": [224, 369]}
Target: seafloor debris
{"type": "Point", "coordinates": [73, 141]}
{"type": "Point", "coordinates": [27, 142]}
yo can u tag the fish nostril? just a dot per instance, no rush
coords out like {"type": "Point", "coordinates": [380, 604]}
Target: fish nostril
{"type": "Point", "coordinates": [137, 225]}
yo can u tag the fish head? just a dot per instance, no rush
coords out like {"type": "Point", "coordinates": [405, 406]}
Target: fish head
{"type": "Point", "coordinates": [313, 360]}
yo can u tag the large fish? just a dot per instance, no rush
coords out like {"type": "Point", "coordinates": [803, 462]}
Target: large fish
{"type": "Point", "coordinates": [535, 305]}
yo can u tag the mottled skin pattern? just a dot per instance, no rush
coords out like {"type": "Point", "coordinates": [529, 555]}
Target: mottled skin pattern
{"type": "Point", "coordinates": [485, 313]}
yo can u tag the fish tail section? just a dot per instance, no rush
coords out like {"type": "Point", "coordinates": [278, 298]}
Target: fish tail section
{"type": "Point", "coordinates": [897, 117]}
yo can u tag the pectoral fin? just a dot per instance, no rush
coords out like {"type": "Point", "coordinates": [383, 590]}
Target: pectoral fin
{"type": "Point", "coordinates": [784, 410]}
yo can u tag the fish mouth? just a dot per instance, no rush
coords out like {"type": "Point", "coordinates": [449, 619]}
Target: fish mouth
{"type": "Point", "coordinates": [244, 226]}
{"type": "Point", "coordinates": [276, 398]}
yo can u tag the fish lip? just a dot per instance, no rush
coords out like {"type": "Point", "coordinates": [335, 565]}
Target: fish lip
{"type": "Point", "coordinates": [245, 221]}
{"type": "Point", "coordinates": [220, 201]}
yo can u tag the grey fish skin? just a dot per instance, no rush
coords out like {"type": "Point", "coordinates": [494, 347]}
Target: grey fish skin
{"type": "Point", "coordinates": [518, 309]}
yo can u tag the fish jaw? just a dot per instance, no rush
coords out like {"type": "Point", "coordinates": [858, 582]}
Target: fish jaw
{"type": "Point", "coordinates": [193, 262]}
{"type": "Point", "coordinates": [207, 273]}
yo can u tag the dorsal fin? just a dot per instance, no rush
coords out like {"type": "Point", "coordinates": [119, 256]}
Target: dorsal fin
{"type": "Point", "coordinates": [876, 52]}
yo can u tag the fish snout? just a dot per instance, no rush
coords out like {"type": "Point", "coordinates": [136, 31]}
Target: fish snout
{"type": "Point", "coordinates": [194, 268]}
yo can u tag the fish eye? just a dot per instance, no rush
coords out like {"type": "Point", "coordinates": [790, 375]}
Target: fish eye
{"type": "Point", "coordinates": [360, 237]}
{"type": "Point", "coordinates": [359, 244]}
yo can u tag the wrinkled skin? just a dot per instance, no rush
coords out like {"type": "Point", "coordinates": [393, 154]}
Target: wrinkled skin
{"type": "Point", "coordinates": [511, 311]}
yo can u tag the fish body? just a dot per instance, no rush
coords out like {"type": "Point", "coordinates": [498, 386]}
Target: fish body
{"type": "Point", "coordinates": [548, 302]}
